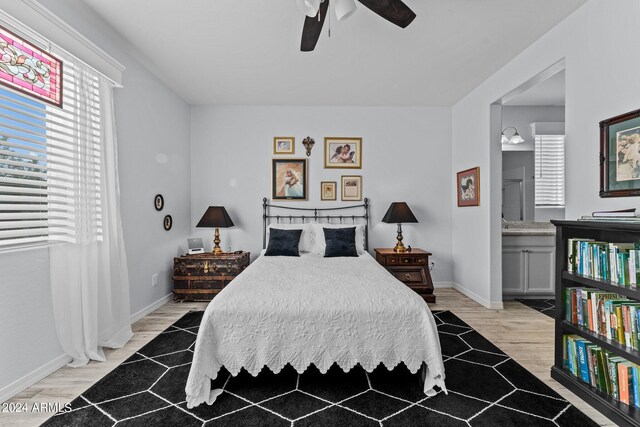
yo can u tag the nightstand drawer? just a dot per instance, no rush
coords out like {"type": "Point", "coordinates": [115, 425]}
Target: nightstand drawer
{"type": "Point", "coordinates": [409, 275]}
{"type": "Point", "coordinates": [411, 268]}
{"type": "Point", "coordinates": [406, 260]}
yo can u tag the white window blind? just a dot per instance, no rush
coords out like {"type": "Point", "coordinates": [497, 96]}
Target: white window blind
{"type": "Point", "coordinates": [23, 170]}
{"type": "Point", "coordinates": [50, 163]}
{"type": "Point", "coordinates": [73, 156]}
{"type": "Point", "coordinates": [549, 170]}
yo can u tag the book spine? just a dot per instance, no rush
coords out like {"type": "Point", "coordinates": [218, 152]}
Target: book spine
{"type": "Point", "coordinates": [619, 325]}
{"type": "Point", "coordinates": [567, 304]}
{"type": "Point", "coordinates": [579, 312]}
{"type": "Point", "coordinates": [636, 393]}
{"type": "Point", "coordinates": [613, 260]}
{"type": "Point", "coordinates": [613, 373]}
{"type": "Point", "coordinates": [627, 325]}
{"type": "Point", "coordinates": [607, 315]}
{"type": "Point", "coordinates": [571, 258]}
{"type": "Point", "coordinates": [632, 268]}
{"type": "Point", "coordinates": [633, 326]}
{"type": "Point", "coordinates": [590, 311]}
{"type": "Point", "coordinates": [592, 361]}
{"type": "Point", "coordinates": [605, 382]}
{"type": "Point", "coordinates": [623, 383]}
{"type": "Point", "coordinates": [582, 361]}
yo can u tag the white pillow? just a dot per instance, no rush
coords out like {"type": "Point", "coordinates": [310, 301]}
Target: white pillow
{"type": "Point", "coordinates": [306, 238]}
{"type": "Point", "coordinates": [319, 245]}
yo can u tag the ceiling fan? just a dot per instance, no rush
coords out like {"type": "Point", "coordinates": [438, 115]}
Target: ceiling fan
{"type": "Point", "coordinates": [394, 11]}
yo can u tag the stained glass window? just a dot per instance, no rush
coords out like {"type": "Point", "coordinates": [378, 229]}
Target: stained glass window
{"type": "Point", "coordinates": [29, 69]}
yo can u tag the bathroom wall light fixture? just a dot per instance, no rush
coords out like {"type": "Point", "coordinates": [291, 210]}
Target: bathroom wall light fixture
{"type": "Point", "coordinates": [514, 139]}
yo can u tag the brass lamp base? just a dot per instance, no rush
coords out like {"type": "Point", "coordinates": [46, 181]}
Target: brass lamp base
{"type": "Point", "coordinates": [399, 247]}
{"type": "Point", "coordinates": [217, 250]}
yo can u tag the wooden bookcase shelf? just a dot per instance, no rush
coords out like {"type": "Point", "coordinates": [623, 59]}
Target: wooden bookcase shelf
{"type": "Point", "coordinates": [605, 286]}
{"type": "Point", "coordinates": [613, 346]}
{"type": "Point", "coordinates": [615, 410]}
{"type": "Point", "coordinates": [615, 232]}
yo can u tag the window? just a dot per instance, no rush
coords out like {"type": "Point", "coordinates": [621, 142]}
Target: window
{"type": "Point", "coordinates": [50, 163]}
{"type": "Point", "coordinates": [549, 170]}
{"type": "Point", "coordinates": [23, 170]}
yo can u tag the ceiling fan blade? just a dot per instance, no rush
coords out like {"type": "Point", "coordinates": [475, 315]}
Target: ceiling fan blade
{"type": "Point", "coordinates": [394, 11]}
{"type": "Point", "coordinates": [313, 27]}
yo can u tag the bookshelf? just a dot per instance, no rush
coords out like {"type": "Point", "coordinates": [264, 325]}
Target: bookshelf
{"type": "Point", "coordinates": [604, 231]}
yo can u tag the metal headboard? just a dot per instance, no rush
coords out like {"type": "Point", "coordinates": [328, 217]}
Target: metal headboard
{"type": "Point", "coordinates": [318, 215]}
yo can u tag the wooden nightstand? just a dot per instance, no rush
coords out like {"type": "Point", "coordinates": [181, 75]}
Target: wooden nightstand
{"type": "Point", "coordinates": [411, 268]}
{"type": "Point", "coordinates": [200, 277]}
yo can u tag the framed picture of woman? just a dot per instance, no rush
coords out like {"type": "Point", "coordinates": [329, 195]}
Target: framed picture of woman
{"type": "Point", "coordinates": [344, 153]}
{"type": "Point", "coordinates": [289, 179]}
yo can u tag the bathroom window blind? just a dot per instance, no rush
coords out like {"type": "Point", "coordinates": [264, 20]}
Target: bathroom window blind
{"type": "Point", "coordinates": [549, 170]}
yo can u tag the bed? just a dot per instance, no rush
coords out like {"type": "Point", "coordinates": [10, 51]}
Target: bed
{"type": "Point", "coordinates": [312, 309]}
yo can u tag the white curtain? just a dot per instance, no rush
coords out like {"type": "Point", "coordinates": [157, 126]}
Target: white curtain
{"type": "Point", "coordinates": [89, 275]}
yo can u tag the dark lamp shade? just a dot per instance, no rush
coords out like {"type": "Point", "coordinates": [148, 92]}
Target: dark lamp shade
{"type": "Point", "coordinates": [399, 213]}
{"type": "Point", "coordinates": [215, 216]}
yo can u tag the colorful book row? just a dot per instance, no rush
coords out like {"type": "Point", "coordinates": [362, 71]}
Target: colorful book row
{"type": "Point", "coordinates": [606, 313]}
{"type": "Point", "coordinates": [618, 263]}
{"type": "Point", "coordinates": [611, 374]}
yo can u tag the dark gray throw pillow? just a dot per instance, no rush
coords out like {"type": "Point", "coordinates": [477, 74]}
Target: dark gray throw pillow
{"type": "Point", "coordinates": [340, 242]}
{"type": "Point", "coordinates": [283, 242]}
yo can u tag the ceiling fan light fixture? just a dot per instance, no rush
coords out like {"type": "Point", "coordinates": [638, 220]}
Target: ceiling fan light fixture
{"type": "Point", "coordinates": [344, 8]}
{"type": "Point", "coordinates": [309, 7]}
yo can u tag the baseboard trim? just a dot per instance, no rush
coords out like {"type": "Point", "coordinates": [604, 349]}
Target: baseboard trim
{"type": "Point", "coordinates": [491, 305]}
{"type": "Point", "coordinates": [150, 308]}
{"type": "Point", "coordinates": [33, 377]}
{"type": "Point", "coordinates": [47, 369]}
{"type": "Point", "coordinates": [443, 285]}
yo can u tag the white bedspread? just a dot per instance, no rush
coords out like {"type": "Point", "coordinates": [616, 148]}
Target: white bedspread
{"type": "Point", "coordinates": [316, 310]}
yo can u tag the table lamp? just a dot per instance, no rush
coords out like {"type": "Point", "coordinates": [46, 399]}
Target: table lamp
{"type": "Point", "coordinates": [216, 216]}
{"type": "Point", "coordinates": [399, 213]}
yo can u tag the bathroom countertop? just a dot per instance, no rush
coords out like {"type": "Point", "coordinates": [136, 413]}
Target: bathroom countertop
{"type": "Point", "coordinates": [528, 228]}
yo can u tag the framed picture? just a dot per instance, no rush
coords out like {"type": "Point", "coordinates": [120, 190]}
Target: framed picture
{"type": "Point", "coordinates": [158, 201]}
{"type": "Point", "coordinates": [328, 190]}
{"type": "Point", "coordinates": [469, 187]}
{"type": "Point", "coordinates": [351, 188]}
{"type": "Point", "coordinates": [620, 155]}
{"type": "Point", "coordinates": [343, 153]}
{"type": "Point", "coordinates": [284, 145]}
{"type": "Point", "coordinates": [168, 222]}
{"type": "Point", "coordinates": [289, 179]}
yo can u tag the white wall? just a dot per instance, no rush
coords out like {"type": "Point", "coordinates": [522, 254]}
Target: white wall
{"type": "Point", "coordinates": [521, 117]}
{"type": "Point", "coordinates": [151, 120]}
{"type": "Point", "coordinates": [597, 35]}
{"type": "Point", "coordinates": [406, 156]}
{"type": "Point", "coordinates": [28, 337]}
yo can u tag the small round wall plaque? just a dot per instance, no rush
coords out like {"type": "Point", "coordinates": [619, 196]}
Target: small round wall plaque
{"type": "Point", "coordinates": [168, 222]}
{"type": "Point", "coordinates": [159, 202]}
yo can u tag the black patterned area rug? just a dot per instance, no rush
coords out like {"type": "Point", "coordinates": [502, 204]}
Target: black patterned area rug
{"type": "Point", "coordinates": [544, 306]}
{"type": "Point", "coordinates": [486, 388]}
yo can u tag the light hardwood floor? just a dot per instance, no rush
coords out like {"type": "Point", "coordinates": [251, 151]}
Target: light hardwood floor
{"type": "Point", "coordinates": [521, 332]}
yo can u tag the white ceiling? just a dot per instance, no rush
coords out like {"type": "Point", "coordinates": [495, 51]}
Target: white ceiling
{"type": "Point", "coordinates": [247, 51]}
{"type": "Point", "coordinates": [547, 92]}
